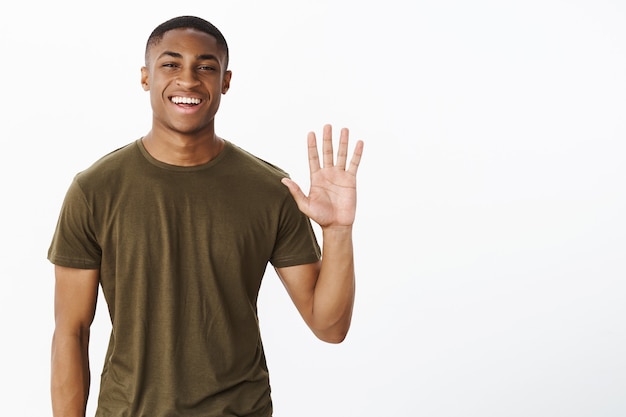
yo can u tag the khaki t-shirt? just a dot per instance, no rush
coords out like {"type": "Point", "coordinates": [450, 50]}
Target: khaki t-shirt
{"type": "Point", "coordinates": [181, 253]}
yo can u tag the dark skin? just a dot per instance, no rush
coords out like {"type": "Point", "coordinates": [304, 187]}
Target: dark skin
{"type": "Point", "coordinates": [186, 75]}
{"type": "Point", "coordinates": [185, 64]}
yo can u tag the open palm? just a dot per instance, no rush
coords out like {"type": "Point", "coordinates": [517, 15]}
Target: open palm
{"type": "Point", "coordinates": [332, 197]}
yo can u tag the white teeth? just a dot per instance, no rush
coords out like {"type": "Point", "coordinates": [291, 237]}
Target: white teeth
{"type": "Point", "coordinates": [185, 100]}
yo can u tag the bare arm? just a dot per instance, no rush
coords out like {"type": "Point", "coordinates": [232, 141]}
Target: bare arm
{"type": "Point", "coordinates": [75, 297]}
{"type": "Point", "coordinates": [324, 292]}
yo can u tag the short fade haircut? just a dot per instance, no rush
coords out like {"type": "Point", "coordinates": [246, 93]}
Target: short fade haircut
{"type": "Point", "coordinates": [187, 22]}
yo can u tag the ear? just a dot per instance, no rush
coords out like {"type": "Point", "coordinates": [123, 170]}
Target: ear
{"type": "Point", "coordinates": [145, 76]}
{"type": "Point", "coordinates": [226, 81]}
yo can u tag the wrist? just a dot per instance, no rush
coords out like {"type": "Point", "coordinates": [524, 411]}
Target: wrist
{"type": "Point", "coordinates": [338, 232]}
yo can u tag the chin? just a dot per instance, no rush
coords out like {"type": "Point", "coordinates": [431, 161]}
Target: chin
{"type": "Point", "coordinates": [189, 130]}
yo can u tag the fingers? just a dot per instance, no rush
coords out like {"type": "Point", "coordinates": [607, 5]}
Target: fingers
{"type": "Point", "coordinates": [342, 152]}
{"type": "Point", "coordinates": [356, 158]}
{"type": "Point", "coordinates": [296, 192]}
{"type": "Point", "coordinates": [327, 146]}
{"type": "Point", "coordinates": [314, 159]}
{"type": "Point", "coordinates": [327, 151]}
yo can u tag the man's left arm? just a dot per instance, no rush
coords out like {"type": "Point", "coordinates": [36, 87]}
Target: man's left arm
{"type": "Point", "coordinates": [323, 292]}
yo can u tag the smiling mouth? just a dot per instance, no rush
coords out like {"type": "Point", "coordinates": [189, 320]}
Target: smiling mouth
{"type": "Point", "coordinates": [190, 101]}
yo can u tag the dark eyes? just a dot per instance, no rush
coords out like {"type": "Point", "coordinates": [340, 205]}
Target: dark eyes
{"type": "Point", "coordinates": [207, 68]}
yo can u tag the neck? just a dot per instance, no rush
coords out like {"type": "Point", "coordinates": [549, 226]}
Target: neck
{"type": "Point", "coordinates": [183, 150]}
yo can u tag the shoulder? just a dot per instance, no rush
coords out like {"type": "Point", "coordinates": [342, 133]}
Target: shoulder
{"type": "Point", "coordinates": [110, 164]}
{"type": "Point", "coordinates": [254, 177]}
{"type": "Point", "coordinates": [253, 162]}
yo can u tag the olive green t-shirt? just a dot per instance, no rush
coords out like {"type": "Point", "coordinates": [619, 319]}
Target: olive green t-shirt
{"type": "Point", "coordinates": [181, 253]}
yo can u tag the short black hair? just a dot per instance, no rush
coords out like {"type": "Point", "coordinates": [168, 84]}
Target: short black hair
{"type": "Point", "coordinates": [187, 22]}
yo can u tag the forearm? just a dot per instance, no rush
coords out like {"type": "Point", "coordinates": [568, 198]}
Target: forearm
{"type": "Point", "coordinates": [70, 376]}
{"type": "Point", "coordinates": [333, 298]}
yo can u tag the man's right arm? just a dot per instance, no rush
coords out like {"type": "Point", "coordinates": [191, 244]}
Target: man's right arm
{"type": "Point", "coordinates": [75, 296]}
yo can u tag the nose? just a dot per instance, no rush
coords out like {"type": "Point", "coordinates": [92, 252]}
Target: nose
{"type": "Point", "coordinates": [187, 78]}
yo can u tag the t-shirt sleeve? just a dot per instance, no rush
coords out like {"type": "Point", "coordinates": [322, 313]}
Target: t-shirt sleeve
{"type": "Point", "coordinates": [296, 243]}
{"type": "Point", "coordinates": [74, 243]}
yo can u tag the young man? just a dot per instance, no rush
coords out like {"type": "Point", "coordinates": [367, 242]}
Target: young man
{"type": "Point", "coordinates": [178, 228]}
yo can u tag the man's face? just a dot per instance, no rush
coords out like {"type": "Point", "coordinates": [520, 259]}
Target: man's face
{"type": "Point", "coordinates": [185, 74]}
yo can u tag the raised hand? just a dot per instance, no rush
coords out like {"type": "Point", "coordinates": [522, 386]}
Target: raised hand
{"type": "Point", "coordinates": [332, 197]}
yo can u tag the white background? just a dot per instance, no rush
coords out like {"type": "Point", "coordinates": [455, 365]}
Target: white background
{"type": "Point", "coordinates": [491, 231]}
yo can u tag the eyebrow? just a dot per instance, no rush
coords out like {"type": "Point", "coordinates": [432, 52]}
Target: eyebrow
{"type": "Point", "coordinates": [203, 57]}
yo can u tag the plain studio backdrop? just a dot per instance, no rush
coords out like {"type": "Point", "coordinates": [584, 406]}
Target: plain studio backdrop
{"type": "Point", "coordinates": [490, 233]}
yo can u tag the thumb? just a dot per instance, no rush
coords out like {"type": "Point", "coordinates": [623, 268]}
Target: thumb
{"type": "Point", "coordinates": [296, 193]}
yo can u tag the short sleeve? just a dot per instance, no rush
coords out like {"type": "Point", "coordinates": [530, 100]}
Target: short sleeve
{"type": "Point", "coordinates": [296, 243]}
{"type": "Point", "coordinates": [74, 243]}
